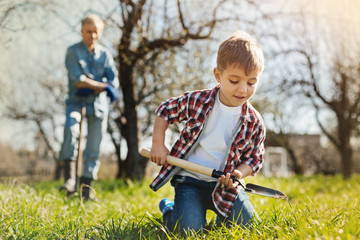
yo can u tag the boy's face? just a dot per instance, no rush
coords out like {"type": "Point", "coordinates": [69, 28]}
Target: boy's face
{"type": "Point", "coordinates": [90, 34]}
{"type": "Point", "coordinates": [235, 87]}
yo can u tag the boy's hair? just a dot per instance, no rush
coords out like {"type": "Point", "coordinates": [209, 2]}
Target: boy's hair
{"type": "Point", "coordinates": [242, 50]}
{"type": "Point", "coordinates": [92, 18]}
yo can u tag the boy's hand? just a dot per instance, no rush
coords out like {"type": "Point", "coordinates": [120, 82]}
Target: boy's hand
{"type": "Point", "coordinates": [158, 155]}
{"type": "Point", "coordinates": [228, 182]}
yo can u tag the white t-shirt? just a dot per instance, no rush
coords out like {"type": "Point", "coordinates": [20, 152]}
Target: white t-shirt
{"type": "Point", "coordinates": [214, 141]}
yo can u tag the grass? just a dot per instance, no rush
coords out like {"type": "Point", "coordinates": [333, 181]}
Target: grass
{"type": "Point", "coordinates": [319, 207]}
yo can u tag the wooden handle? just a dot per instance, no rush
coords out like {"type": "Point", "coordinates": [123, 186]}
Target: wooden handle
{"type": "Point", "coordinates": [182, 163]}
{"type": "Point", "coordinates": [80, 151]}
{"type": "Point", "coordinates": [79, 160]}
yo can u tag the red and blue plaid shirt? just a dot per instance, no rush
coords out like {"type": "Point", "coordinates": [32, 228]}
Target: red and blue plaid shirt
{"type": "Point", "coordinates": [247, 148]}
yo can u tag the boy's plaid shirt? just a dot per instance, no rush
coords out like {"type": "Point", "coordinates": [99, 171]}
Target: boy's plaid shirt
{"type": "Point", "coordinates": [248, 146]}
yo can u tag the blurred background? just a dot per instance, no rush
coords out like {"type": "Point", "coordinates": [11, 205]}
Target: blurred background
{"type": "Point", "coordinates": [309, 94]}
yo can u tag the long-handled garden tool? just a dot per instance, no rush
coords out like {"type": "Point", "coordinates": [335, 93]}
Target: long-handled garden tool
{"type": "Point", "coordinates": [250, 188]}
{"type": "Point", "coordinates": [79, 160]}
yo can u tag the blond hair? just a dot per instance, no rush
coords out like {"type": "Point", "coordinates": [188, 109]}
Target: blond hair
{"type": "Point", "coordinates": [241, 50]}
{"type": "Point", "coordinates": [93, 19]}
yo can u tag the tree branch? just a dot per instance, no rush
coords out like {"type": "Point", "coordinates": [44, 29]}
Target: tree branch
{"type": "Point", "coordinates": [6, 14]}
{"type": "Point", "coordinates": [44, 136]}
{"type": "Point", "coordinates": [181, 17]}
{"type": "Point", "coordinates": [323, 129]}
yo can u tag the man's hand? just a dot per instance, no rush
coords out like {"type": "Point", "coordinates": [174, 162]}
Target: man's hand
{"type": "Point", "coordinates": [112, 93]}
{"type": "Point", "coordinates": [92, 85]}
{"type": "Point", "coordinates": [158, 154]}
{"type": "Point", "coordinates": [228, 182]}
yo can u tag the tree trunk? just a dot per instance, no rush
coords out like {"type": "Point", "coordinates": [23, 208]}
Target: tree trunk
{"type": "Point", "coordinates": [298, 168]}
{"type": "Point", "coordinates": [59, 168]}
{"type": "Point", "coordinates": [344, 133]}
{"type": "Point", "coordinates": [346, 162]}
{"type": "Point", "coordinates": [134, 162]}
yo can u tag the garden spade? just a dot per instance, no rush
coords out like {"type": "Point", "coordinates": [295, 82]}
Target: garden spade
{"type": "Point", "coordinates": [250, 188]}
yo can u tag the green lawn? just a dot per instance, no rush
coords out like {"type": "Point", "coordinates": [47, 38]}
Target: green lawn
{"type": "Point", "coordinates": [318, 208]}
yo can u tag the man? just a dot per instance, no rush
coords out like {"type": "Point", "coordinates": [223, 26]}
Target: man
{"type": "Point", "coordinates": [91, 79]}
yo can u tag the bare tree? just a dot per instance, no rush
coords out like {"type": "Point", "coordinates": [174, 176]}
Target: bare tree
{"type": "Point", "coordinates": [11, 13]}
{"type": "Point", "coordinates": [146, 35]}
{"type": "Point", "coordinates": [329, 78]}
{"type": "Point", "coordinates": [345, 104]}
{"type": "Point", "coordinates": [151, 32]}
{"type": "Point", "coordinates": [155, 45]}
{"type": "Point", "coordinates": [160, 85]}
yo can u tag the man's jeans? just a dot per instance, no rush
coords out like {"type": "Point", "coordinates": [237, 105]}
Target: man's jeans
{"type": "Point", "coordinates": [96, 128]}
{"type": "Point", "coordinates": [193, 198]}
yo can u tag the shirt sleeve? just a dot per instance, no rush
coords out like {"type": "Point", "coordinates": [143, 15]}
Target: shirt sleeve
{"type": "Point", "coordinates": [253, 156]}
{"type": "Point", "coordinates": [110, 70]}
{"type": "Point", "coordinates": [174, 109]}
{"type": "Point", "coordinates": [72, 64]}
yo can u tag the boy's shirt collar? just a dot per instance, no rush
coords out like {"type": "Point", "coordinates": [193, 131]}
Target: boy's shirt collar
{"type": "Point", "coordinates": [211, 98]}
{"type": "Point", "coordinates": [212, 95]}
{"type": "Point", "coordinates": [245, 113]}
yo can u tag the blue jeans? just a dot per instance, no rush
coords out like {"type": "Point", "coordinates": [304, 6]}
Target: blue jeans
{"type": "Point", "coordinates": [193, 198]}
{"type": "Point", "coordinates": [96, 128]}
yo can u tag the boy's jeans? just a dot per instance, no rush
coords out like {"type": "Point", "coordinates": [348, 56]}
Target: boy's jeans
{"type": "Point", "coordinates": [193, 198]}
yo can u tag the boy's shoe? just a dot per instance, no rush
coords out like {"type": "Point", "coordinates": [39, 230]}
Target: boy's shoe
{"type": "Point", "coordinates": [166, 205]}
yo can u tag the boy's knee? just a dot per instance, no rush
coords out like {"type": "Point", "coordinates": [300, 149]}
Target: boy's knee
{"type": "Point", "coordinates": [242, 214]}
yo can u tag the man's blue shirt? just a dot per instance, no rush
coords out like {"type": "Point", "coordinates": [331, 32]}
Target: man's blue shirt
{"type": "Point", "coordinates": [99, 66]}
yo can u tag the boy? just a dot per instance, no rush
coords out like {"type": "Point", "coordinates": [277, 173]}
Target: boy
{"type": "Point", "coordinates": [222, 131]}
{"type": "Point", "coordinates": [92, 78]}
